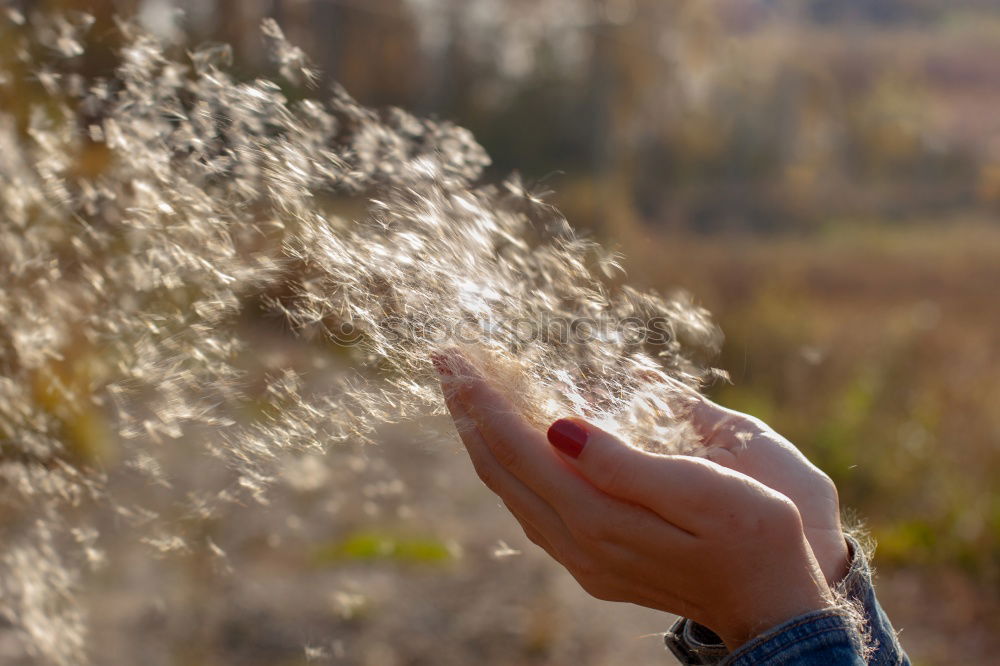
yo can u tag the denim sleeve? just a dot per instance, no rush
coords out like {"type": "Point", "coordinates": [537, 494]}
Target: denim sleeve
{"type": "Point", "coordinates": [820, 637]}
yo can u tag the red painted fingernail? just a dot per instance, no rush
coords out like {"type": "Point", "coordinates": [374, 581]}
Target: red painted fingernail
{"type": "Point", "coordinates": [441, 365]}
{"type": "Point", "coordinates": [568, 437]}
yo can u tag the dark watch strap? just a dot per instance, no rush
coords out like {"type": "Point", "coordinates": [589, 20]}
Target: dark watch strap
{"type": "Point", "coordinates": [694, 644]}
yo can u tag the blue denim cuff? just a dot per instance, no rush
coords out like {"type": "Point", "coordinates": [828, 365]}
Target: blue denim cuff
{"type": "Point", "coordinates": [824, 637]}
{"type": "Point", "coordinates": [819, 638]}
{"type": "Point", "coordinates": [883, 648]}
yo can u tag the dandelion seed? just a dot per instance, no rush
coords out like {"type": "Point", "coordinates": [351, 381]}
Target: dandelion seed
{"type": "Point", "coordinates": [348, 604]}
{"type": "Point", "coordinates": [502, 551]}
{"type": "Point", "coordinates": [316, 652]}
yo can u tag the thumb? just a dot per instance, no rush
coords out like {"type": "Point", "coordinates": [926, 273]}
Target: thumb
{"type": "Point", "coordinates": [677, 488]}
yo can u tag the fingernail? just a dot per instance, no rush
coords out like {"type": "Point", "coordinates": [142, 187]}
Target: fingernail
{"type": "Point", "coordinates": [568, 437]}
{"type": "Point", "coordinates": [441, 365]}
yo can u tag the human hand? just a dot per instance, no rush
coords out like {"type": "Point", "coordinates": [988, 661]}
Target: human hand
{"type": "Point", "coordinates": [749, 446]}
{"type": "Point", "coordinates": [675, 533]}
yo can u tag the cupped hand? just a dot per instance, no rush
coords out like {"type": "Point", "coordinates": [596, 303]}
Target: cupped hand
{"type": "Point", "coordinates": [680, 534]}
{"type": "Point", "coordinates": [749, 446]}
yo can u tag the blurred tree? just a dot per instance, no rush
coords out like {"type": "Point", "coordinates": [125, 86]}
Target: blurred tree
{"type": "Point", "coordinates": [370, 47]}
{"type": "Point", "coordinates": [731, 113]}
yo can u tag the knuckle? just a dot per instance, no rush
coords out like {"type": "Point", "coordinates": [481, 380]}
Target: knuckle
{"type": "Point", "coordinates": [595, 590]}
{"type": "Point", "coordinates": [786, 513]}
{"type": "Point", "coordinates": [599, 587]}
{"type": "Point", "coordinates": [536, 537]}
{"type": "Point", "coordinates": [533, 536]}
{"type": "Point", "coordinates": [698, 477]}
{"type": "Point", "coordinates": [590, 532]}
{"type": "Point", "coordinates": [778, 517]}
{"type": "Point", "coordinates": [756, 426]}
{"type": "Point", "coordinates": [516, 511]}
{"type": "Point", "coordinates": [615, 473]}
{"type": "Point", "coordinates": [581, 566]}
{"type": "Point", "coordinates": [826, 485]}
{"type": "Point", "coordinates": [505, 454]}
{"type": "Point", "coordinates": [488, 478]}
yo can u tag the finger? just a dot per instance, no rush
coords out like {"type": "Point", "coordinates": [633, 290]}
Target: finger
{"type": "Point", "coordinates": [595, 549]}
{"type": "Point", "coordinates": [727, 434]}
{"type": "Point", "coordinates": [718, 426]}
{"type": "Point", "coordinates": [519, 447]}
{"type": "Point", "coordinates": [539, 521]}
{"type": "Point", "coordinates": [493, 412]}
{"type": "Point", "coordinates": [528, 508]}
{"type": "Point", "coordinates": [581, 518]}
{"type": "Point", "coordinates": [686, 492]}
{"type": "Point", "coordinates": [534, 535]}
{"type": "Point", "coordinates": [623, 577]}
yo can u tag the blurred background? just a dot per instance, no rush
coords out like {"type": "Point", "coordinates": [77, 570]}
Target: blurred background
{"type": "Point", "coordinates": [824, 176]}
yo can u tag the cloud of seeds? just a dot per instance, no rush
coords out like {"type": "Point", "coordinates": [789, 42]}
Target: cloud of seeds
{"type": "Point", "coordinates": [153, 219]}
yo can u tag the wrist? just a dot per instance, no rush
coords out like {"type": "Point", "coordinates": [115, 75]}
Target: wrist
{"type": "Point", "coordinates": [780, 601]}
{"type": "Point", "coordinates": [741, 632]}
